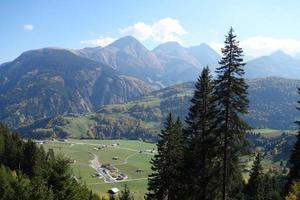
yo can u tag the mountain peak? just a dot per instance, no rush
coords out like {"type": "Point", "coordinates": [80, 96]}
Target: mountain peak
{"type": "Point", "coordinates": [202, 48]}
{"type": "Point", "coordinates": [49, 51]}
{"type": "Point", "coordinates": [280, 54]}
{"type": "Point", "coordinates": [205, 55]}
{"type": "Point", "coordinates": [168, 46]}
{"type": "Point", "coordinates": [203, 45]}
{"type": "Point", "coordinates": [125, 41]}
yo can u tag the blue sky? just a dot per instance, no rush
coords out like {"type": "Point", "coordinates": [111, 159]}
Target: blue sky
{"type": "Point", "coordinates": [262, 26]}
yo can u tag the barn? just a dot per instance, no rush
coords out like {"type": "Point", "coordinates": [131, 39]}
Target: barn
{"type": "Point", "coordinates": [113, 190]}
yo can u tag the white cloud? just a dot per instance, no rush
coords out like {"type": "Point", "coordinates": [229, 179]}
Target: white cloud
{"type": "Point", "coordinates": [261, 45]}
{"type": "Point", "coordinates": [163, 30]}
{"type": "Point", "coordinates": [216, 46]}
{"type": "Point", "coordinates": [139, 30]}
{"type": "Point", "coordinates": [28, 27]}
{"type": "Point", "coordinates": [101, 41]}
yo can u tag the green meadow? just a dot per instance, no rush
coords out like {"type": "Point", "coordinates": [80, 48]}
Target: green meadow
{"type": "Point", "coordinates": [132, 156]}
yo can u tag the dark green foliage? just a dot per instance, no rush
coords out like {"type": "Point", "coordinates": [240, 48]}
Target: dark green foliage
{"type": "Point", "coordinates": [282, 144]}
{"type": "Point", "coordinates": [263, 186]}
{"type": "Point", "coordinates": [202, 153]}
{"type": "Point", "coordinates": [125, 194]}
{"type": "Point", "coordinates": [254, 189]}
{"type": "Point", "coordinates": [230, 90]}
{"type": "Point", "coordinates": [63, 184]}
{"type": "Point", "coordinates": [294, 174]}
{"type": "Point", "coordinates": [273, 186]}
{"type": "Point", "coordinates": [27, 172]}
{"type": "Point", "coordinates": [166, 164]}
{"type": "Point", "coordinates": [13, 186]}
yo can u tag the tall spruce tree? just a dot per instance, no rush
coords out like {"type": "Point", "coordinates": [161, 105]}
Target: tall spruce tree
{"type": "Point", "coordinates": [254, 189]}
{"type": "Point", "coordinates": [202, 143]}
{"type": "Point", "coordinates": [164, 182]}
{"type": "Point", "coordinates": [294, 162]}
{"type": "Point", "coordinates": [231, 92]}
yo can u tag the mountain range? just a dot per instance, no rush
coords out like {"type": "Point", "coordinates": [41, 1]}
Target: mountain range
{"type": "Point", "coordinates": [171, 63]}
{"type": "Point", "coordinates": [277, 64]}
{"type": "Point", "coordinates": [46, 83]}
{"type": "Point", "coordinates": [167, 64]}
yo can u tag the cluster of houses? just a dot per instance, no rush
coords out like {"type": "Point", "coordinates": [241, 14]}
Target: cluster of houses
{"type": "Point", "coordinates": [102, 146]}
{"type": "Point", "coordinates": [113, 172]}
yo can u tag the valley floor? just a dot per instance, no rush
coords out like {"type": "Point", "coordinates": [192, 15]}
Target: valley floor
{"type": "Point", "coordinates": [131, 158]}
{"type": "Point", "coordinates": [104, 164]}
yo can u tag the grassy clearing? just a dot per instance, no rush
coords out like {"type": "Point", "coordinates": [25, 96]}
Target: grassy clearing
{"type": "Point", "coordinates": [266, 132]}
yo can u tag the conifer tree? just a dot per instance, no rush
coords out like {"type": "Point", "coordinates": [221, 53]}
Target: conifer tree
{"type": "Point", "coordinates": [125, 194]}
{"type": "Point", "coordinates": [255, 188]}
{"type": "Point", "coordinates": [230, 89]}
{"type": "Point", "coordinates": [294, 162]}
{"type": "Point", "coordinates": [202, 144]}
{"type": "Point", "coordinates": [166, 165]}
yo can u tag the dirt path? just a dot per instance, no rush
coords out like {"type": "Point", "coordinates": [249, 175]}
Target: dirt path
{"type": "Point", "coordinates": [127, 180]}
{"type": "Point", "coordinates": [126, 159]}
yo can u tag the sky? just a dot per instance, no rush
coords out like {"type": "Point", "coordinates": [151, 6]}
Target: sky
{"type": "Point", "coordinates": [262, 26]}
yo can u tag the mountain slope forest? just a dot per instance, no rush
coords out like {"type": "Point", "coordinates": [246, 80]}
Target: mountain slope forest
{"type": "Point", "coordinates": [272, 105]}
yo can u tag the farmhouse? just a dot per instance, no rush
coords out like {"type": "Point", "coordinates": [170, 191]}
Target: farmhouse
{"type": "Point", "coordinates": [101, 146]}
{"type": "Point", "coordinates": [113, 190]}
{"type": "Point", "coordinates": [139, 171]}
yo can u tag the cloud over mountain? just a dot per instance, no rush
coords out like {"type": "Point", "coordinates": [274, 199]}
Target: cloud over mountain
{"type": "Point", "coordinates": [263, 45]}
{"type": "Point", "coordinates": [163, 30]}
{"type": "Point", "coordinates": [101, 41]}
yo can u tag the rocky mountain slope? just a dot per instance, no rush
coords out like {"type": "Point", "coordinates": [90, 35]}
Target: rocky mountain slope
{"type": "Point", "coordinates": [129, 57]}
{"type": "Point", "coordinates": [49, 82]}
{"type": "Point", "coordinates": [167, 64]}
{"type": "Point", "coordinates": [170, 63]}
{"type": "Point", "coordinates": [277, 64]}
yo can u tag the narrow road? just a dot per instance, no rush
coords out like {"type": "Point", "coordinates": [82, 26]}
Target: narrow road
{"type": "Point", "coordinates": [96, 166]}
{"type": "Point", "coordinates": [127, 180]}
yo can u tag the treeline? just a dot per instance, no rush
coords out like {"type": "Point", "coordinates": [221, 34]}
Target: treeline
{"type": "Point", "coordinates": [27, 172]}
{"type": "Point", "coordinates": [202, 160]}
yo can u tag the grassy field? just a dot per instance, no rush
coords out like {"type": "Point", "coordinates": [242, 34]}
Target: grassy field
{"type": "Point", "coordinates": [130, 159]}
{"type": "Point", "coordinates": [268, 133]}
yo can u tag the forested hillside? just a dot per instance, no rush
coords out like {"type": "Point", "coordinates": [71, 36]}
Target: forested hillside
{"type": "Point", "coordinates": [272, 105]}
